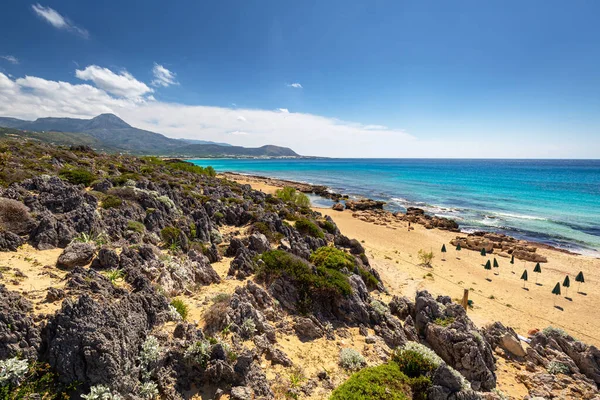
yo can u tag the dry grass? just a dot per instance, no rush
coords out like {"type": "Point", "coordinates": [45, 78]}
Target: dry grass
{"type": "Point", "coordinates": [14, 216]}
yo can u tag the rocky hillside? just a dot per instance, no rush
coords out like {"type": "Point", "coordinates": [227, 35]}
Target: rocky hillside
{"type": "Point", "coordinates": [107, 132]}
{"type": "Point", "coordinates": [167, 282]}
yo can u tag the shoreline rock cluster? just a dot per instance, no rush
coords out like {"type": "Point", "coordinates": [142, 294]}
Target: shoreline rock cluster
{"type": "Point", "coordinates": [503, 245]}
{"type": "Point", "coordinates": [141, 236]}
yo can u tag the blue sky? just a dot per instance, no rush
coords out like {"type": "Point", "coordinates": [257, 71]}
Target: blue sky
{"type": "Point", "coordinates": [376, 78]}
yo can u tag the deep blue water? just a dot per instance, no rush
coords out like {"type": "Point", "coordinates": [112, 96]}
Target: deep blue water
{"type": "Point", "coordinates": [551, 201]}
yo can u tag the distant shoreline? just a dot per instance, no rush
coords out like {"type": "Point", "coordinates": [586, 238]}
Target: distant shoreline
{"type": "Point", "coordinates": [319, 190]}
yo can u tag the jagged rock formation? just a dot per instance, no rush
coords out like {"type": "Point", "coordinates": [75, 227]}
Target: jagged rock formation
{"type": "Point", "coordinates": [506, 246]}
{"type": "Point", "coordinates": [19, 335]}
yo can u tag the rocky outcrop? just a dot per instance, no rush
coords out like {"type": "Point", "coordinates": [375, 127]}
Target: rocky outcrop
{"type": "Point", "coordinates": [245, 313]}
{"type": "Point", "coordinates": [498, 335]}
{"type": "Point", "coordinates": [243, 265]}
{"type": "Point", "coordinates": [555, 345]}
{"type": "Point", "coordinates": [364, 204]}
{"type": "Point", "coordinates": [75, 255]}
{"type": "Point", "coordinates": [453, 336]}
{"type": "Point", "coordinates": [86, 340]}
{"type": "Point", "coordinates": [10, 241]}
{"type": "Point", "coordinates": [106, 259]}
{"type": "Point", "coordinates": [19, 335]}
{"type": "Point", "coordinates": [505, 245]}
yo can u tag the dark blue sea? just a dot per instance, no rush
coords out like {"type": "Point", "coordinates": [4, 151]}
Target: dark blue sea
{"type": "Point", "coordinates": [551, 201]}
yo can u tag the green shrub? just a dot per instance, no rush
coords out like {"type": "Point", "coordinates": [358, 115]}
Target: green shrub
{"type": "Point", "coordinates": [22, 381]}
{"type": "Point", "coordinates": [331, 257]}
{"type": "Point", "coordinates": [368, 278]}
{"type": "Point", "coordinates": [556, 367]}
{"type": "Point", "coordinates": [351, 359]}
{"type": "Point", "coordinates": [77, 176]}
{"type": "Point", "coordinates": [291, 195]}
{"type": "Point", "coordinates": [111, 201]}
{"type": "Point", "coordinates": [384, 382]}
{"type": "Point", "coordinates": [181, 307]}
{"type": "Point", "coordinates": [170, 235]}
{"type": "Point", "coordinates": [308, 227]}
{"type": "Point", "coordinates": [189, 167]}
{"type": "Point", "coordinates": [263, 227]}
{"type": "Point", "coordinates": [446, 321]}
{"type": "Point", "coordinates": [136, 226]}
{"type": "Point", "coordinates": [412, 363]}
{"type": "Point", "coordinates": [123, 178]}
{"type": "Point", "coordinates": [328, 226]}
{"type": "Point", "coordinates": [425, 257]}
{"type": "Point", "coordinates": [326, 282]}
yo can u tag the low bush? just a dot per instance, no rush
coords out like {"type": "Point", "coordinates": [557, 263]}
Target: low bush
{"type": "Point", "coordinates": [170, 235]}
{"type": "Point", "coordinates": [556, 367]}
{"type": "Point", "coordinates": [189, 167]}
{"type": "Point", "coordinates": [328, 226]}
{"type": "Point", "coordinates": [325, 282]}
{"type": "Point", "coordinates": [181, 308]}
{"type": "Point", "coordinates": [263, 227]}
{"type": "Point", "coordinates": [136, 226]}
{"type": "Point", "coordinates": [291, 195]}
{"type": "Point", "coordinates": [351, 359]}
{"type": "Point", "coordinates": [425, 257]}
{"type": "Point", "coordinates": [307, 227]}
{"type": "Point", "coordinates": [370, 280]}
{"type": "Point", "coordinates": [101, 392]}
{"type": "Point", "coordinates": [214, 316]}
{"type": "Point", "coordinates": [446, 321]}
{"type": "Point", "coordinates": [413, 363]}
{"type": "Point", "coordinates": [77, 176]}
{"type": "Point", "coordinates": [384, 382]}
{"type": "Point", "coordinates": [14, 216]}
{"type": "Point", "coordinates": [20, 380]}
{"type": "Point", "coordinates": [111, 201]}
{"type": "Point", "coordinates": [123, 178]}
{"type": "Point", "coordinates": [330, 257]}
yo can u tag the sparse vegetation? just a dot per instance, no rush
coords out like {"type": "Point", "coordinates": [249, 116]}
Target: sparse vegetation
{"type": "Point", "coordinates": [425, 257]}
{"type": "Point", "coordinates": [330, 257]}
{"type": "Point", "coordinates": [351, 359]}
{"type": "Point", "coordinates": [14, 216]}
{"type": "Point", "coordinates": [136, 226]}
{"type": "Point", "coordinates": [308, 227]}
{"type": "Point", "coordinates": [556, 367]}
{"type": "Point", "coordinates": [325, 282]}
{"type": "Point", "coordinates": [291, 195]}
{"type": "Point", "coordinates": [446, 321]}
{"type": "Point", "coordinates": [111, 201]}
{"type": "Point", "coordinates": [114, 275]}
{"type": "Point", "coordinates": [101, 392]}
{"type": "Point", "coordinates": [77, 176]}
{"type": "Point", "coordinates": [181, 307]}
{"type": "Point", "coordinates": [214, 316]}
{"type": "Point", "coordinates": [171, 236]}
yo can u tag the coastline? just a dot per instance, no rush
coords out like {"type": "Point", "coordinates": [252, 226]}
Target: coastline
{"type": "Point", "coordinates": [392, 249]}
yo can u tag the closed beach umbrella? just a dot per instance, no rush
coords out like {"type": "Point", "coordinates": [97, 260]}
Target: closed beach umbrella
{"type": "Point", "coordinates": [556, 291]}
{"type": "Point", "coordinates": [458, 248]}
{"type": "Point", "coordinates": [512, 263]}
{"type": "Point", "coordinates": [512, 259]}
{"type": "Point", "coordinates": [483, 253]}
{"type": "Point", "coordinates": [524, 277]}
{"type": "Point", "coordinates": [567, 285]}
{"type": "Point", "coordinates": [537, 269]}
{"type": "Point", "coordinates": [443, 250]}
{"type": "Point", "coordinates": [488, 267]}
{"type": "Point", "coordinates": [579, 278]}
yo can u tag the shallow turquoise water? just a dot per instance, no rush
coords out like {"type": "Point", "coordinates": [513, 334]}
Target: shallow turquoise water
{"type": "Point", "coordinates": [551, 201]}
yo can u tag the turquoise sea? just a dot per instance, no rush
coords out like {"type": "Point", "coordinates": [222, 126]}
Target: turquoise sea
{"type": "Point", "coordinates": [552, 201]}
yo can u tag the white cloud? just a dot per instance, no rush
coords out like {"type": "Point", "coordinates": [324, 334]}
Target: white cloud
{"type": "Point", "coordinates": [32, 97]}
{"type": "Point", "coordinates": [295, 85]}
{"type": "Point", "coordinates": [11, 59]}
{"type": "Point", "coordinates": [283, 110]}
{"type": "Point", "coordinates": [241, 118]}
{"type": "Point", "coordinates": [163, 77]}
{"type": "Point", "coordinates": [58, 21]}
{"type": "Point", "coordinates": [122, 85]}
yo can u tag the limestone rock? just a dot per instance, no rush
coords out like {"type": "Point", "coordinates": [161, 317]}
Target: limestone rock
{"type": "Point", "coordinates": [75, 255]}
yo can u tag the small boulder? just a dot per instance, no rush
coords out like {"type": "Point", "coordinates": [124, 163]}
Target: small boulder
{"type": "Point", "coordinates": [258, 243]}
{"type": "Point", "coordinates": [338, 207]}
{"type": "Point", "coordinates": [241, 393]}
{"type": "Point", "coordinates": [75, 255]}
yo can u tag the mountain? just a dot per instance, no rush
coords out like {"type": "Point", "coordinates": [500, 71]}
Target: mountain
{"type": "Point", "coordinates": [110, 133]}
{"type": "Point", "coordinates": [195, 141]}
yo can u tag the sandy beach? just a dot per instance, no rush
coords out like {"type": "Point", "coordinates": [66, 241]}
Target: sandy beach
{"type": "Point", "coordinates": [392, 250]}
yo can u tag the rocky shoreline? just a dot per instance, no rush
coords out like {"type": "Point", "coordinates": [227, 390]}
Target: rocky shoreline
{"type": "Point", "coordinates": [373, 211]}
{"type": "Point", "coordinates": [171, 282]}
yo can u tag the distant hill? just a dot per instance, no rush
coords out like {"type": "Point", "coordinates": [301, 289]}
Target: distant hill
{"type": "Point", "coordinates": [110, 133]}
{"type": "Point", "coordinates": [194, 141]}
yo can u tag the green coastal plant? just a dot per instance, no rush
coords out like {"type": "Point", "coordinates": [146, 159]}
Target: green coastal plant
{"type": "Point", "coordinates": [326, 282]}
{"type": "Point", "coordinates": [135, 226]}
{"type": "Point", "coordinates": [291, 195]}
{"type": "Point", "coordinates": [181, 307]}
{"type": "Point", "coordinates": [331, 257]}
{"type": "Point", "coordinates": [351, 359]}
{"type": "Point", "coordinates": [101, 392]}
{"type": "Point", "coordinates": [307, 227]}
{"type": "Point", "coordinates": [77, 176]}
{"type": "Point", "coordinates": [425, 257]}
{"type": "Point", "coordinates": [111, 201]}
{"type": "Point", "coordinates": [171, 235]}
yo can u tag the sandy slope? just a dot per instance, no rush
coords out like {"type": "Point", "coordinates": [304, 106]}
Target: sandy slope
{"type": "Point", "coordinates": [393, 252]}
